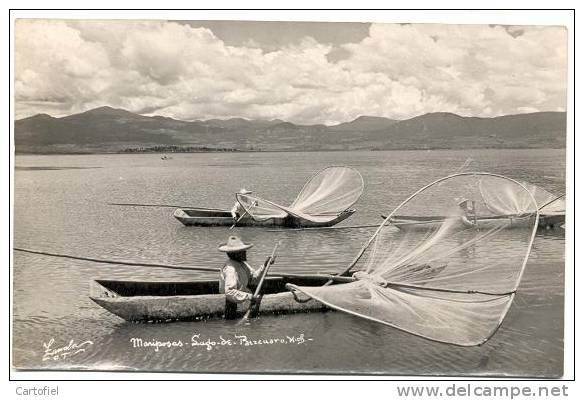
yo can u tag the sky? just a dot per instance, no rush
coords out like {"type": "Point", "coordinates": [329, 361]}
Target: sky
{"type": "Point", "coordinates": [302, 72]}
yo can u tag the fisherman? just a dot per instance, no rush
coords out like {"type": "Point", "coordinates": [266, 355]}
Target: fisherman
{"type": "Point", "coordinates": [237, 211]}
{"type": "Point", "coordinates": [468, 215]}
{"type": "Point", "coordinates": [236, 274]}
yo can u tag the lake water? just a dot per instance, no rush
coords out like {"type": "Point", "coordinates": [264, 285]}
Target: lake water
{"type": "Point", "coordinates": [61, 206]}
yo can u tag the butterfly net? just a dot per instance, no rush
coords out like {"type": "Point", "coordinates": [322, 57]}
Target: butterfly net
{"type": "Point", "coordinates": [331, 191]}
{"type": "Point", "coordinates": [326, 195]}
{"type": "Point", "coordinates": [448, 270]}
{"type": "Point", "coordinates": [512, 199]}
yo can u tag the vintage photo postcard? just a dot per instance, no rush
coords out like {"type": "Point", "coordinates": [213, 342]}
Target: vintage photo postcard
{"type": "Point", "coordinates": [310, 197]}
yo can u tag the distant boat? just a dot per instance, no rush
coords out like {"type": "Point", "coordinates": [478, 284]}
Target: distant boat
{"type": "Point", "coordinates": [411, 223]}
{"type": "Point", "coordinates": [325, 200]}
{"type": "Point", "coordinates": [210, 217]}
{"type": "Point", "coordinates": [165, 157]}
{"type": "Point", "coordinates": [505, 206]}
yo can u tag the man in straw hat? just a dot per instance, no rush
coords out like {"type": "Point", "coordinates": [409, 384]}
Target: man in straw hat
{"type": "Point", "coordinates": [238, 210]}
{"type": "Point", "coordinates": [467, 209]}
{"type": "Point", "coordinates": [236, 274]}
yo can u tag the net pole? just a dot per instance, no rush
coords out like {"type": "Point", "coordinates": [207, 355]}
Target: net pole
{"type": "Point", "coordinates": [551, 201]}
{"type": "Point", "coordinates": [118, 262]}
{"type": "Point", "coordinates": [363, 249]}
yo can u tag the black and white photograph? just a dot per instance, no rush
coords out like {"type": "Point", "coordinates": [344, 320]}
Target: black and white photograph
{"type": "Point", "coordinates": [289, 197]}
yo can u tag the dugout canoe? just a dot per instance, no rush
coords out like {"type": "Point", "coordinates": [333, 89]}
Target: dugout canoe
{"type": "Point", "coordinates": [211, 217]}
{"type": "Point", "coordinates": [409, 223]}
{"type": "Point", "coordinates": [138, 301]}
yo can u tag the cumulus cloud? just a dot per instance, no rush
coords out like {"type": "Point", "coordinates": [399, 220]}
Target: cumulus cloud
{"type": "Point", "coordinates": [181, 71]}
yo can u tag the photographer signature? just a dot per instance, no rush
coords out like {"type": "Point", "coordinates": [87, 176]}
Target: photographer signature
{"type": "Point", "coordinates": [212, 343]}
{"type": "Point", "coordinates": [60, 353]}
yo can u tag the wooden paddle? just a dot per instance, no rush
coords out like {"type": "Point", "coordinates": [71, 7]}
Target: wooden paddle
{"type": "Point", "coordinates": [253, 305]}
{"type": "Point", "coordinates": [238, 219]}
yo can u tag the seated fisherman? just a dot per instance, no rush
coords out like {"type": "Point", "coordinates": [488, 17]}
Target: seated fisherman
{"type": "Point", "coordinates": [236, 274]}
{"type": "Point", "coordinates": [238, 210]}
{"type": "Point", "coordinates": [468, 215]}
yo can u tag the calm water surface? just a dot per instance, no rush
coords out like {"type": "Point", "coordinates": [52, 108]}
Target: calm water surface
{"type": "Point", "coordinates": [61, 206]}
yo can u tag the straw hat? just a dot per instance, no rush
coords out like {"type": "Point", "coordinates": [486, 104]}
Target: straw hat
{"type": "Point", "coordinates": [234, 244]}
{"type": "Point", "coordinates": [245, 191]}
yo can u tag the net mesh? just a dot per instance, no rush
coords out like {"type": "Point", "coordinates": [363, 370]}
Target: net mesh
{"type": "Point", "coordinates": [260, 209]}
{"type": "Point", "coordinates": [514, 199]}
{"type": "Point", "coordinates": [331, 191]}
{"type": "Point", "coordinates": [448, 269]}
{"type": "Point", "coordinates": [326, 195]}
{"type": "Point", "coordinates": [556, 206]}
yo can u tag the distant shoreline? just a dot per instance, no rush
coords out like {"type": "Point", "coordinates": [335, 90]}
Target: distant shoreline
{"type": "Point", "coordinates": [177, 149]}
{"type": "Point", "coordinates": [108, 130]}
{"type": "Point", "coordinates": [237, 151]}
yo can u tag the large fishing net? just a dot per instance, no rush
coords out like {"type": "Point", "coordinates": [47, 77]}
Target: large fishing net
{"type": "Point", "coordinates": [325, 196]}
{"type": "Point", "coordinates": [444, 264]}
{"type": "Point", "coordinates": [511, 199]}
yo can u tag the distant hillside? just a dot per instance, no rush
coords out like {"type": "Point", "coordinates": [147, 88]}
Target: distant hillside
{"type": "Point", "coordinates": [107, 129]}
{"type": "Point", "coordinates": [364, 124]}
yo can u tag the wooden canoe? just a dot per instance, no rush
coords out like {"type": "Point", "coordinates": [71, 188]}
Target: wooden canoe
{"type": "Point", "coordinates": [552, 220]}
{"type": "Point", "coordinates": [210, 217]}
{"type": "Point", "coordinates": [546, 221]}
{"type": "Point", "coordinates": [197, 300]}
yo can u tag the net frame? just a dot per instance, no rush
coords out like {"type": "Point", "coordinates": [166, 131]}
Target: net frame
{"type": "Point", "coordinates": [275, 211]}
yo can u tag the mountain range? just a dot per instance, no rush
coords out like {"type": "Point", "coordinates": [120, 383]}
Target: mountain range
{"type": "Point", "coordinates": [107, 129]}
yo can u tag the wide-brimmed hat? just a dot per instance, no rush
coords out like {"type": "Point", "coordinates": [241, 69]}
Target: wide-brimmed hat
{"type": "Point", "coordinates": [245, 191]}
{"type": "Point", "coordinates": [234, 244]}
